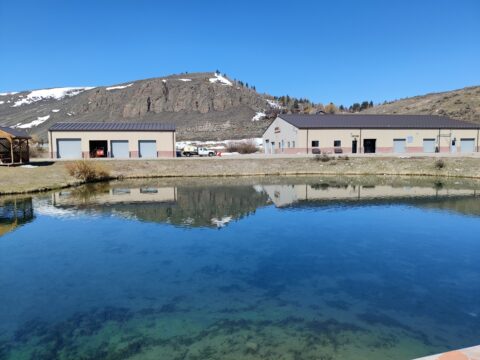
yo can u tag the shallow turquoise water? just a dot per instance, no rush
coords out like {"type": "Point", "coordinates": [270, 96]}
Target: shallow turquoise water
{"type": "Point", "coordinates": [300, 270]}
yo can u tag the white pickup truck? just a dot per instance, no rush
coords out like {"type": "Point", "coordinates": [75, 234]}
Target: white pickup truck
{"type": "Point", "coordinates": [197, 151]}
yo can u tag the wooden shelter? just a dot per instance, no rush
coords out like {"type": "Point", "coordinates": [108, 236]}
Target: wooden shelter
{"type": "Point", "coordinates": [14, 146]}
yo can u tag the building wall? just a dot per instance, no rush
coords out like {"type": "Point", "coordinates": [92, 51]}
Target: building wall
{"type": "Point", "coordinates": [279, 131]}
{"type": "Point", "coordinates": [302, 139]}
{"type": "Point", "coordinates": [165, 140]}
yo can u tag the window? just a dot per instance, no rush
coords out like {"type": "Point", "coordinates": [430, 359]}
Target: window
{"type": "Point", "coordinates": [315, 143]}
{"type": "Point", "coordinates": [337, 143]}
{"type": "Point", "coordinates": [279, 145]}
{"type": "Point", "coordinates": [293, 144]}
{"type": "Point", "coordinates": [289, 144]}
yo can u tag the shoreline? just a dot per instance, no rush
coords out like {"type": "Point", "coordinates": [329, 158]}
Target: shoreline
{"type": "Point", "coordinates": [44, 177]}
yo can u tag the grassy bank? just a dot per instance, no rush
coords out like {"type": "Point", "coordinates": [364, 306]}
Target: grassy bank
{"type": "Point", "coordinates": [55, 176]}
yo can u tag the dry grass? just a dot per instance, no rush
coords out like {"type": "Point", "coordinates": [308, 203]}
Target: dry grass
{"type": "Point", "coordinates": [87, 171]}
{"type": "Point", "coordinates": [241, 147]}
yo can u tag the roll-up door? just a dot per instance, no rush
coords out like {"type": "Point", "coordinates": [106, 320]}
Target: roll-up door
{"type": "Point", "coordinates": [120, 149]}
{"type": "Point", "coordinates": [69, 149]}
{"type": "Point", "coordinates": [147, 149]}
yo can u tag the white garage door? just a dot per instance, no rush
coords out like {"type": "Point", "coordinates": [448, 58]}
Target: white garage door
{"type": "Point", "coordinates": [467, 145]}
{"type": "Point", "coordinates": [428, 145]}
{"type": "Point", "coordinates": [69, 149]}
{"type": "Point", "coordinates": [148, 149]}
{"type": "Point", "coordinates": [399, 145]}
{"type": "Point", "coordinates": [119, 149]}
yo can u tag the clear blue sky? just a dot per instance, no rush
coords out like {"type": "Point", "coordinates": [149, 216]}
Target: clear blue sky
{"type": "Point", "coordinates": [341, 51]}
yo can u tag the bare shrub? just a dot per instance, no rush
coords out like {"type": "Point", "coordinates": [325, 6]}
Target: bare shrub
{"type": "Point", "coordinates": [87, 171]}
{"type": "Point", "coordinates": [242, 147]}
{"type": "Point", "coordinates": [322, 158]}
{"type": "Point", "coordinates": [37, 151]}
{"type": "Point", "coordinates": [439, 164]}
{"type": "Point", "coordinates": [344, 157]}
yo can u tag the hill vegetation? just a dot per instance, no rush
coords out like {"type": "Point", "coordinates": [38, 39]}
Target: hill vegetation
{"type": "Point", "coordinates": [203, 106]}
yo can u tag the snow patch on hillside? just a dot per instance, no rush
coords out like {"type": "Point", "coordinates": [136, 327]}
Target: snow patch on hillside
{"type": "Point", "coordinates": [259, 116]}
{"type": "Point", "coordinates": [55, 93]}
{"type": "Point", "coordinates": [118, 87]}
{"type": "Point", "coordinates": [2, 102]}
{"type": "Point", "coordinates": [9, 93]}
{"type": "Point", "coordinates": [274, 104]}
{"type": "Point", "coordinates": [40, 120]}
{"type": "Point", "coordinates": [216, 144]}
{"type": "Point", "coordinates": [185, 80]}
{"type": "Point", "coordinates": [55, 110]}
{"type": "Point", "coordinates": [220, 79]}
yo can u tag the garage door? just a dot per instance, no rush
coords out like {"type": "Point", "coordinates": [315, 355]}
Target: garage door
{"type": "Point", "coordinates": [399, 145]}
{"type": "Point", "coordinates": [428, 145]}
{"type": "Point", "coordinates": [467, 145]}
{"type": "Point", "coordinates": [69, 149]}
{"type": "Point", "coordinates": [148, 149]}
{"type": "Point", "coordinates": [119, 149]}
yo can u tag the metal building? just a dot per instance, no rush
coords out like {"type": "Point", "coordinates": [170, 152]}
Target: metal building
{"type": "Point", "coordinates": [120, 140]}
{"type": "Point", "coordinates": [307, 134]}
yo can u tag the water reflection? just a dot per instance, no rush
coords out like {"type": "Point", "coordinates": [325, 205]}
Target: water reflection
{"type": "Point", "coordinates": [15, 212]}
{"type": "Point", "coordinates": [187, 205]}
{"type": "Point", "coordinates": [216, 205]}
{"type": "Point", "coordinates": [303, 268]}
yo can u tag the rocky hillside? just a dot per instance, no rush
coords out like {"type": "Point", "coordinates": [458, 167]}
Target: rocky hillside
{"type": "Point", "coordinates": [203, 106]}
{"type": "Point", "coordinates": [463, 104]}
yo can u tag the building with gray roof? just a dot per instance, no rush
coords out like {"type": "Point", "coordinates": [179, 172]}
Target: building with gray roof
{"type": "Point", "coordinates": [351, 133]}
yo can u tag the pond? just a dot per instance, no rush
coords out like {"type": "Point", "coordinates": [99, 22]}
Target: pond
{"type": "Point", "coordinates": [267, 268]}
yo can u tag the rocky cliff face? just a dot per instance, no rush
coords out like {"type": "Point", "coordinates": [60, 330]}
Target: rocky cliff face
{"type": "Point", "coordinates": [203, 106]}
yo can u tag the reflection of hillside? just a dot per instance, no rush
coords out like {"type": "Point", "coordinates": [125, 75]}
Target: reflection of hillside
{"type": "Point", "coordinates": [14, 212]}
{"type": "Point", "coordinates": [466, 201]}
{"type": "Point", "coordinates": [188, 206]}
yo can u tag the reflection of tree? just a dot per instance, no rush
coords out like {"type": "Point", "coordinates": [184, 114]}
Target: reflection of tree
{"type": "Point", "coordinates": [14, 212]}
{"type": "Point", "coordinates": [198, 206]}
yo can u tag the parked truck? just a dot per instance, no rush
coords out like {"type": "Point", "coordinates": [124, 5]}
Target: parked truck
{"type": "Point", "coordinates": [190, 150]}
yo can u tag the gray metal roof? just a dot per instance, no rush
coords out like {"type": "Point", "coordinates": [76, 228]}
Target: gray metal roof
{"type": "Point", "coordinates": [352, 121]}
{"type": "Point", "coordinates": [16, 133]}
{"type": "Point", "coordinates": [111, 126]}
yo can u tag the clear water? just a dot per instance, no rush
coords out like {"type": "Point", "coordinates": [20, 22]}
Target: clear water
{"type": "Point", "coordinates": [300, 268]}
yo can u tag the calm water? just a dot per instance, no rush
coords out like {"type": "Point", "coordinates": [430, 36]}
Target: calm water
{"type": "Point", "coordinates": [302, 268]}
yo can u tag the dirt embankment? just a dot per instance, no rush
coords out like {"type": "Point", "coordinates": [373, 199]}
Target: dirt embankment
{"type": "Point", "coordinates": [54, 176]}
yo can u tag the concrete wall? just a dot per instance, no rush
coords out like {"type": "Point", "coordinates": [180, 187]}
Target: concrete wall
{"type": "Point", "coordinates": [165, 140]}
{"type": "Point", "coordinates": [300, 140]}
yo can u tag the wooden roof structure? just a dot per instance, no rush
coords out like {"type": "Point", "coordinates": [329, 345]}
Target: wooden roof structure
{"type": "Point", "coordinates": [14, 146]}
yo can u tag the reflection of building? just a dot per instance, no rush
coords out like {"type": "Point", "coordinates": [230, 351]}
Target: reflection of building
{"type": "Point", "coordinates": [190, 206]}
{"type": "Point", "coordinates": [14, 212]}
{"type": "Point", "coordinates": [284, 195]}
{"type": "Point", "coordinates": [115, 195]}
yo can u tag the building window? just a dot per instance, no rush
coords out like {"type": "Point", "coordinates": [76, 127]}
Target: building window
{"type": "Point", "coordinates": [288, 144]}
{"type": "Point", "coordinates": [337, 143]}
{"type": "Point", "coordinates": [315, 143]}
{"type": "Point", "coordinates": [293, 144]}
